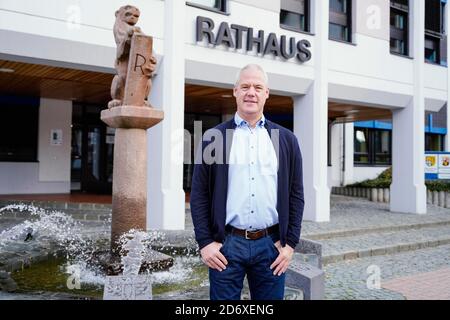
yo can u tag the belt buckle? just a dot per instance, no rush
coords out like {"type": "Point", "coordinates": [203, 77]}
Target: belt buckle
{"type": "Point", "coordinates": [246, 235]}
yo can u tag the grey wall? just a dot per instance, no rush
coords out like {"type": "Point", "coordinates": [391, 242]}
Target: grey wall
{"type": "Point", "coordinates": [372, 18]}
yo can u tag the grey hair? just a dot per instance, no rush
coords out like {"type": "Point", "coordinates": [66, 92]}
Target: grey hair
{"type": "Point", "coordinates": [253, 67]}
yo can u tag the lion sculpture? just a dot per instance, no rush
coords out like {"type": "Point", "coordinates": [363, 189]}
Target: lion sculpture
{"type": "Point", "coordinates": [124, 28]}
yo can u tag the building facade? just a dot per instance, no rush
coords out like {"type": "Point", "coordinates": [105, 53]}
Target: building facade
{"type": "Point", "coordinates": [362, 84]}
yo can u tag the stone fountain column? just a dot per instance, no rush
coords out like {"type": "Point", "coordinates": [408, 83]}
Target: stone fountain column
{"type": "Point", "coordinates": [131, 115]}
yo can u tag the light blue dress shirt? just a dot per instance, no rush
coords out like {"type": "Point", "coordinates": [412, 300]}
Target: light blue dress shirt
{"type": "Point", "coordinates": [252, 178]}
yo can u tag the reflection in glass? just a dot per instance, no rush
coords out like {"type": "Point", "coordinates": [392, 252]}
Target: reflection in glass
{"type": "Point", "coordinates": [382, 141]}
{"type": "Point", "coordinates": [361, 146]}
{"type": "Point", "coordinates": [338, 6]}
{"type": "Point", "coordinates": [293, 20]}
{"type": "Point", "coordinates": [76, 158]}
{"type": "Point", "coordinates": [338, 32]}
{"type": "Point", "coordinates": [94, 152]}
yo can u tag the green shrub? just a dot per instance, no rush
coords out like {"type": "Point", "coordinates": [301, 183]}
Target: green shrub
{"type": "Point", "coordinates": [438, 185]}
{"type": "Point", "coordinates": [384, 180]}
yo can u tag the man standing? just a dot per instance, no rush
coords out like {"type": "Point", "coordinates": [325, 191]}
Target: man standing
{"type": "Point", "coordinates": [247, 208]}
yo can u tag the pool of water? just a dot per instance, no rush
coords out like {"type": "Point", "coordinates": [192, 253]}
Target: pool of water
{"type": "Point", "coordinates": [54, 276]}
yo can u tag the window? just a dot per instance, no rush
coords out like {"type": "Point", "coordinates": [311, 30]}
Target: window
{"type": "Point", "coordinates": [434, 142]}
{"type": "Point", "coordinates": [433, 16]}
{"type": "Point", "coordinates": [399, 26]}
{"type": "Point", "coordinates": [294, 14]}
{"type": "Point", "coordinates": [382, 146]}
{"type": "Point", "coordinates": [340, 20]}
{"type": "Point", "coordinates": [216, 5]}
{"type": "Point", "coordinates": [19, 120]}
{"type": "Point", "coordinates": [432, 53]}
{"type": "Point", "coordinates": [372, 146]}
{"type": "Point", "coordinates": [435, 41]}
{"type": "Point", "coordinates": [361, 146]}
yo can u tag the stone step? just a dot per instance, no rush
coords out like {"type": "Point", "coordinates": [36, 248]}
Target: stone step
{"type": "Point", "coordinates": [373, 229]}
{"type": "Point", "coordinates": [352, 216]}
{"type": "Point", "coordinates": [383, 243]}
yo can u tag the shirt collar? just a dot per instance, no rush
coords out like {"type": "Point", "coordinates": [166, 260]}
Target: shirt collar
{"type": "Point", "coordinates": [241, 122]}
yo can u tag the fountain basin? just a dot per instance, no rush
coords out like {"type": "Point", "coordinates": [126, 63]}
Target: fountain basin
{"type": "Point", "coordinates": [52, 276]}
{"type": "Point", "coordinates": [62, 251]}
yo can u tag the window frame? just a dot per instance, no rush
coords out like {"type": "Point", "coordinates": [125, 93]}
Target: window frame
{"type": "Point", "coordinates": [307, 14]}
{"type": "Point", "coordinates": [431, 136]}
{"type": "Point", "coordinates": [343, 20]}
{"type": "Point", "coordinates": [371, 154]}
{"type": "Point", "coordinates": [222, 10]}
{"type": "Point", "coordinates": [436, 46]}
{"type": "Point", "coordinates": [435, 40]}
{"type": "Point", "coordinates": [396, 33]}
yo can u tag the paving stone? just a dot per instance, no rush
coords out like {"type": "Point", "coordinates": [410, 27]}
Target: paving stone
{"type": "Point", "coordinates": [361, 225]}
{"type": "Point", "coordinates": [348, 279]}
{"type": "Point", "coordinates": [350, 255]}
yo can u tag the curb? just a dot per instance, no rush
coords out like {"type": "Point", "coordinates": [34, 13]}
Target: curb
{"type": "Point", "coordinates": [380, 251]}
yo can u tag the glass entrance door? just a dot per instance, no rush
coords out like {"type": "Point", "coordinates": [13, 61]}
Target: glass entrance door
{"type": "Point", "coordinates": [92, 152]}
{"type": "Point", "coordinates": [76, 158]}
{"type": "Point", "coordinates": [93, 157]}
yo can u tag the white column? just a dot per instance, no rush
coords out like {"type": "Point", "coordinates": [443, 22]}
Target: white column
{"type": "Point", "coordinates": [447, 32]}
{"type": "Point", "coordinates": [408, 191]}
{"type": "Point", "coordinates": [311, 123]}
{"type": "Point", "coordinates": [166, 198]}
{"type": "Point", "coordinates": [348, 136]}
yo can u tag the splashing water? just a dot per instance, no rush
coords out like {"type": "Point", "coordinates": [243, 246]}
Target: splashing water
{"type": "Point", "coordinates": [133, 251]}
{"type": "Point", "coordinates": [65, 233]}
{"type": "Point", "coordinates": [61, 231]}
{"type": "Point", "coordinates": [183, 268]}
{"type": "Point", "coordinates": [50, 226]}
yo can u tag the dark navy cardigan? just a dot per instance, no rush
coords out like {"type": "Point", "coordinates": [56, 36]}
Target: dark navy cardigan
{"type": "Point", "coordinates": [210, 184]}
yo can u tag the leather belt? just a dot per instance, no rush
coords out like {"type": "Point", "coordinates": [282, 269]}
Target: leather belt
{"type": "Point", "coordinates": [253, 235]}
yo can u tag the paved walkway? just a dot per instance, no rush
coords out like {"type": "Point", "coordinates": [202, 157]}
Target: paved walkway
{"type": "Point", "coordinates": [356, 214]}
{"type": "Point", "coordinates": [433, 285]}
{"type": "Point", "coordinates": [400, 275]}
{"type": "Point", "coordinates": [411, 253]}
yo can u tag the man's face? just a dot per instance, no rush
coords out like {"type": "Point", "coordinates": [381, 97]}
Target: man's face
{"type": "Point", "coordinates": [251, 93]}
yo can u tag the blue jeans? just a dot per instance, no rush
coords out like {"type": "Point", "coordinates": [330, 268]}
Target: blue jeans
{"type": "Point", "coordinates": [251, 257]}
